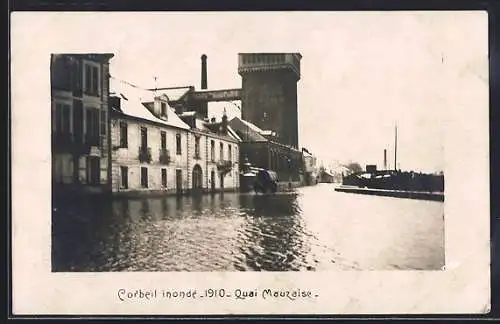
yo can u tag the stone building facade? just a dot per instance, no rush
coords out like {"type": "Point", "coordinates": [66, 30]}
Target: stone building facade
{"type": "Point", "coordinates": [80, 118]}
{"type": "Point", "coordinates": [154, 150]}
{"type": "Point", "coordinates": [148, 152]}
{"type": "Point", "coordinates": [214, 154]}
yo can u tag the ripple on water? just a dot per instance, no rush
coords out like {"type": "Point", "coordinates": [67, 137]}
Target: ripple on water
{"type": "Point", "coordinates": [233, 232]}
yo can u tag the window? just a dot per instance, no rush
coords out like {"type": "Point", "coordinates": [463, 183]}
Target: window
{"type": "Point", "coordinates": [88, 78]}
{"type": "Point", "coordinates": [93, 169]}
{"type": "Point", "coordinates": [197, 147]}
{"type": "Point", "coordinates": [63, 119]}
{"type": "Point", "coordinates": [78, 120]}
{"type": "Point", "coordinates": [178, 144]}
{"type": "Point", "coordinates": [229, 153]}
{"type": "Point", "coordinates": [163, 111]}
{"type": "Point", "coordinates": [77, 77]}
{"type": "Point", "coordinates": [221, 153]}
{"type": "Point", "coordinates": [123, 135]}
{"type": "Point", "coordinates": [61, 72]}
{"type": "Point", "coordinates": [164, 178]}
{"type": "Point", "coordinates": [144, 137]}
{"type": "Point", "coordinates": [103, 122]}
{"type": "Point", "coordinates": [91, 80]}
{"type": "Point", "coordinates": [95, 81]}
{"type": "Point", "coordinates": [163, 136]}
{"type": "Point", "coordinates": [124, 177]}
{"type": "Point", "coordinates": [212, 151]}
{"type": "Point", "coordinates": [92, 126]}
{"type": "Point", "coordinates": [144, 177]}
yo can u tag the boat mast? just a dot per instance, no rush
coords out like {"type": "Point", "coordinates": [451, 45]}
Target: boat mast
{"type": "Point", "coordinates": [395, 147]}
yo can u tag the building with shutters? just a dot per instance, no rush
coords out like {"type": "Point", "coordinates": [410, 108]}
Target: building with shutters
{"type": "Point", "coordinates": [157, 151]}
{"type": "Point", "coordinates": [80, 119]}
{"type": "Point", "coordinates": [214, 148]}
{"type": "Point", "coordinates": [148, 144]}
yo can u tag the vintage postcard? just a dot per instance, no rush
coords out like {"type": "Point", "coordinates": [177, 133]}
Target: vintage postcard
{"type": "Point", "coordinates": [217, 163]}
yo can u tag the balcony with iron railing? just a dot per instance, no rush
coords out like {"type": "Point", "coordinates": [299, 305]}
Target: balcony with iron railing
{"type": "Point", "coordinates": [224, 166]}
{"type": "Point", "coordinates": [67, 142]}
{"type": "Point", "coordinates": [145, 154]}
{"type": "Point", "coordinates": [164, 156]}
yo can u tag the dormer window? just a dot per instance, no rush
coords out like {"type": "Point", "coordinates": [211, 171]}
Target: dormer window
{"type": "Point", "coordinates": [163, 109]}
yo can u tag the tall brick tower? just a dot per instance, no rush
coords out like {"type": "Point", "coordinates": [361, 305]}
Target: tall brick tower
{"type": "Point", "coordinates": [269, 92]}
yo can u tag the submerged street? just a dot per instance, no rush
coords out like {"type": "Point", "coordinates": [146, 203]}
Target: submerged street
{"type": "Point", "coordinates": [312, 228]}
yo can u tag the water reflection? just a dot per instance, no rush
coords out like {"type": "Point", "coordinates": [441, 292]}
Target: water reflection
{"type": "Point", "coordinates": [275, 232]}
{"type": "Point", "coordinates": [242, 232]}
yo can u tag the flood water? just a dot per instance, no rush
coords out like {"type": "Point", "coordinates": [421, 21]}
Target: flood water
{"type": "Point", "coordinates": [313, 228]}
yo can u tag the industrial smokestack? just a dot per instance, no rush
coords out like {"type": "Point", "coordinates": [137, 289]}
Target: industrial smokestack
{"type": "Point", "coordinates": [396, 147]}
{"type": "Point", "coordinates": [385, 159]}
{"type": "Point", "coordinates": [204, 71]}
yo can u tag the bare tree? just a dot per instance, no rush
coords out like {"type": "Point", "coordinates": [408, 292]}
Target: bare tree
{"type": "Point", "coordinates": [354, 167]}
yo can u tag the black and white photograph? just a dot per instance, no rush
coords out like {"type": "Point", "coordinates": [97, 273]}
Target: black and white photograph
{"type": "Point", "coordinates": [264, 144]}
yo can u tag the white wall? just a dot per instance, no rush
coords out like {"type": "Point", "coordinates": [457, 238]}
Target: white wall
{"type": "Point", "coordinates": [184, 162]}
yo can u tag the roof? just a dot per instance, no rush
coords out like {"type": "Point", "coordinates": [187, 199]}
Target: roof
{"type": "Point", "coordinates": [246, 131]}
{"type": "Point", "coordinates": [134, 102]}
{"type": "Point", "coordinates": [204, 126]}
{"type": "Point", "coordinates": [143, 95]}
{"type": "Point", "coordinates": [188, 113]}
{"type": "Point", "coordinates": [201, 125]}
{"type": "Point", "coordinates": [133, 107]}
{"type": "Point", "coordinates": [233, 133]}
{"type": "Point", "coordinates": [174, 93]}
{"type": "Point", "coordinates": [215, 90]}
{"type": "Point", "coordinates": [268, 133]}
{"type": "Point", "coordinates": [328, 173]}
{"type": "Point", "coordinates": [252, 126]}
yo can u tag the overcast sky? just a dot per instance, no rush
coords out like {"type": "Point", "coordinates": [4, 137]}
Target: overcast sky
{"type": "Point", "coordinates": [361, 72]}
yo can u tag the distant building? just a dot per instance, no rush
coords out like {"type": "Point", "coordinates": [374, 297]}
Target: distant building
{"type": "Point", "coordinates": [80, 118]}
{"type": "Point", "coordinates": [264, 151]}
{"type": "Point", "coordinates": [326, 176]}
{"type": "Point", "coordinates": [310, 168]}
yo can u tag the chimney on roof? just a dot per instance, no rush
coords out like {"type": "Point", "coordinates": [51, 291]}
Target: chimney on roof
{"type": "Point", "coordinates": [224, 122]}
{"type": "Point", "coordinates": [204, 71]}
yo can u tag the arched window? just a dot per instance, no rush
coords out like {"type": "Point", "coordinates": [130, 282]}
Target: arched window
{"type": "Point", "coordinates": [197, 177]}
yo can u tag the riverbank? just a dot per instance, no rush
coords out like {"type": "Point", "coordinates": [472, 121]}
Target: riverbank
{"type": "Point", "coordinates": [434, 196]}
